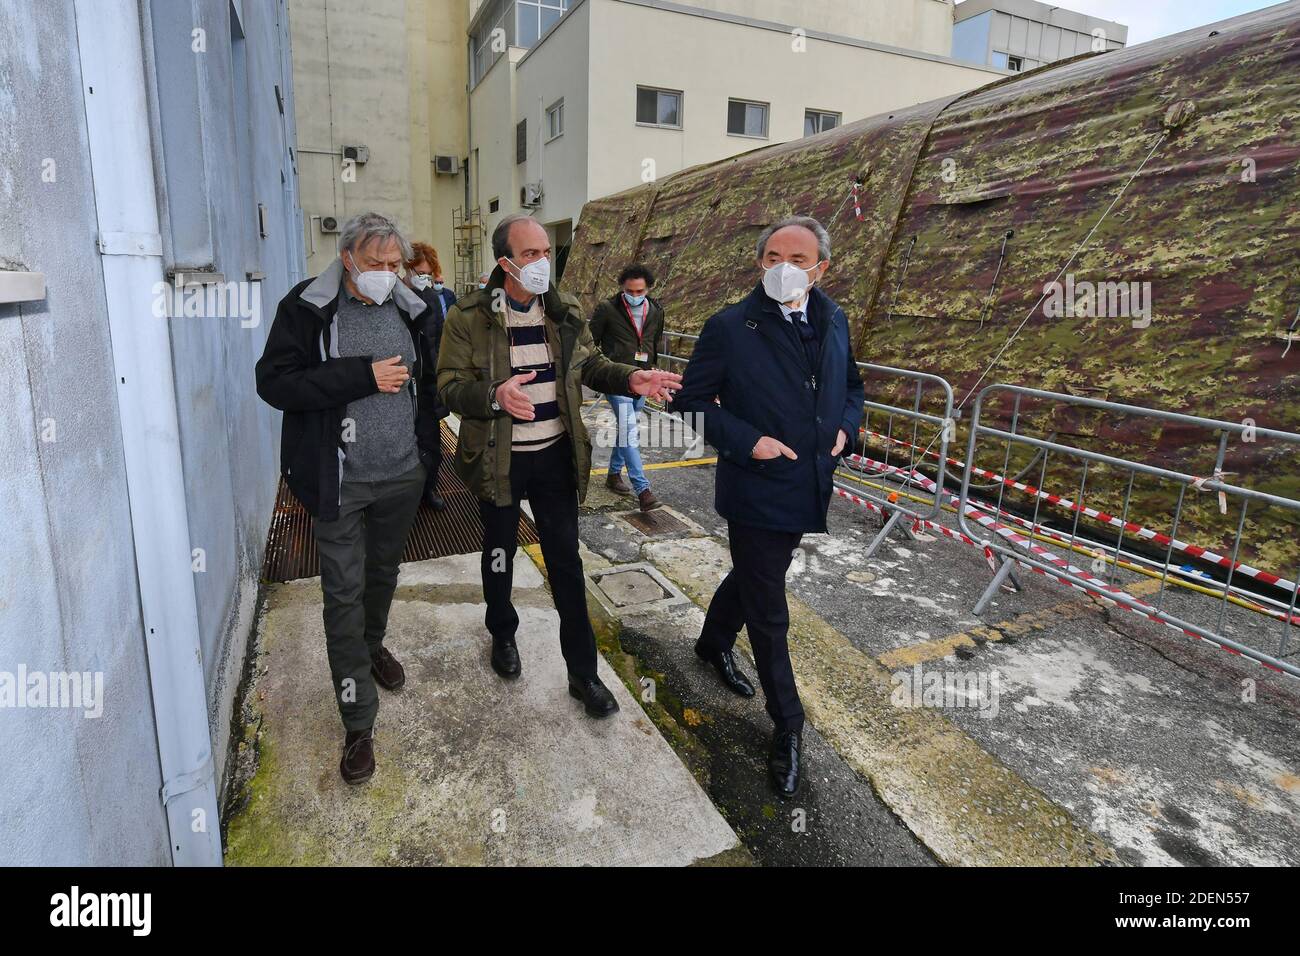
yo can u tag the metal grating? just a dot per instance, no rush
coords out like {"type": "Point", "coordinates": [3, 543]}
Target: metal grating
{"type": "Point", "coordinates": [657, 522]}
{"type": "Point", "coordinates": [291, 546]}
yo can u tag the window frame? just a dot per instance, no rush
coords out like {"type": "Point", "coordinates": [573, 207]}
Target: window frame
{"type": "Point", "coordinates": [556, 108]}
{"type": "Point", "coordinates": [821, 114]}
{"type": "Point", "coordinates": [767, 118]}
{"type": "Point", "coordinates": [681, 107]}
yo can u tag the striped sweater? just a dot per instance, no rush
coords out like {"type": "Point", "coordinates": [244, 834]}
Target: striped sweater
{"type": "Point", "coordinates": [529, 351]}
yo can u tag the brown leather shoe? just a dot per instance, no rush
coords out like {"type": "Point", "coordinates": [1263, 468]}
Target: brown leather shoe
{"type": "Point", "coordinates": [358, 763]}
{"type": "Point", "coordinates": [615, 483]}
{"type": "Point", "coordinates": [648, 500]}
{"type": "Point", "coordinates": [387, 671]}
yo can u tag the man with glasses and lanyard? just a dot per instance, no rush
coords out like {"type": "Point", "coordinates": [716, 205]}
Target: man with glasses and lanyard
{"type": "Point", "coordinates": [513, 362]}
{"type": "Point", "coordinates": [627, 328]}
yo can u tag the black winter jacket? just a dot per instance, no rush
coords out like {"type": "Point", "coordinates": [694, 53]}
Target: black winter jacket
{"type": "Point", "coordinates": [301, 373]}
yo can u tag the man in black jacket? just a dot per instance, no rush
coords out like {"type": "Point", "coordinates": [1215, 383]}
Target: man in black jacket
{"type": "Point", "coordinates": [789, 397]}
{"type": "Point", "coordinates": [345, 360]}
{"type": "Point", "coordinates": [627, 328]}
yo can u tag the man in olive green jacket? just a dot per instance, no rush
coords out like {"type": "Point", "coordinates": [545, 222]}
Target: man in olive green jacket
{"type": "Point", "coordinates": [513, 360]}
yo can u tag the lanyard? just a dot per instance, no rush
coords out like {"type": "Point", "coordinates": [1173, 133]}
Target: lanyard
{"type": "Point", "coordinates": [645, 314]}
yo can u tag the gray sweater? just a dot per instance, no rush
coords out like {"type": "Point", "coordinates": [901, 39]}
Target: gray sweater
{"type": "Point", "coordinates": [381, 426]}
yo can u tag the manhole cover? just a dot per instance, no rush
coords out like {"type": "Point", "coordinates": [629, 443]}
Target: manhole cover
{"type": "Point", "coordinates": [625, 588]}
{"type": "Point", "coordinates": [655, 522]}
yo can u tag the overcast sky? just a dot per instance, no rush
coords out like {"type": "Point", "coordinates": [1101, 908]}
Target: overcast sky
{"type": "Point", "coordinates": [1150, 19]}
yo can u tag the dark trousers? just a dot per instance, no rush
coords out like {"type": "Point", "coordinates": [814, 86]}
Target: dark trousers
{"type": "Point", "coordinates": [546, 478]}
{"type": "Point", "coordinates": [753, 594]}
{"type": "Point", "coordinates": [433, 462]}
{"type": "Point", "coordinates": [359, 555]}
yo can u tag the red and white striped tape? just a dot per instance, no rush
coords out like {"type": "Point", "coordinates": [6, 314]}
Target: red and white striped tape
{"type": "Point", "coordinates": [1137, 606]}
{"type": "Point", "coordinates": [1191, 550]}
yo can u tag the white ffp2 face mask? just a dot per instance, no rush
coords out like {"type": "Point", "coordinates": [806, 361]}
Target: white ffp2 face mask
{"type": "Point", "coordinates": [786, 282]}
{"type": "Point", "coordinates": [536, 276]}
{"type": "Point", "coordinates": [375, 286]}
{"type": "Point", "coordinates": [421, 281]}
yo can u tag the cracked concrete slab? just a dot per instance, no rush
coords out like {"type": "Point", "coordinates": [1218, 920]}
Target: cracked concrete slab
{"type": "Point", "coordinates": [472, 770]}
{"type": "Point", "coordinates": [965, 805]}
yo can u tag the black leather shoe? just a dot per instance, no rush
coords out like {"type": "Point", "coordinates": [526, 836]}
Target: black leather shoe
{"type": "Point", "coordinates": [783, 762]}
{"type": "Point", "coordinates": [724, 662]}
{"type": "Point", "coordinates": [435, 500]}
{"type": "Point", "coordinates": [595, 696]}
{"type": "Point", "coordinates": [358, 763]}
{"type": "Point", "coordinates": [505, 658]}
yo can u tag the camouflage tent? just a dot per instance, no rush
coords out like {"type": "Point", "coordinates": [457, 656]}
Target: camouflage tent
{"type": "Point", "coordinates": [1181, 154]}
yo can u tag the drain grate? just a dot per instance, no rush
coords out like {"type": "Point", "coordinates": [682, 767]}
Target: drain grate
{"type": "Point", "coordinates": [291, 546]}
{"type": "Point", "coordinates": [657, 522]}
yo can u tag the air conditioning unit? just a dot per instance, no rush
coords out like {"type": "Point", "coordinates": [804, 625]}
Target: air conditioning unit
{"type": "Point", "coordinates": [446, 165]}
{"type": "Point", "coordinates": [530, 196]}
{"type": "Point", "coordinates": [329, 224]}
{"type": "Point", "coordinates": [358, 154]}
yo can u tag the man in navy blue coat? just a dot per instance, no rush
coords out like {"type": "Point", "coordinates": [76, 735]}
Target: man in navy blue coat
{"type": "Point", "coordinates": [789, 401]}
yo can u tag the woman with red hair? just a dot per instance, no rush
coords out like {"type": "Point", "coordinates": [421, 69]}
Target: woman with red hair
{"type": "Point", "coordinates": [424, 277]}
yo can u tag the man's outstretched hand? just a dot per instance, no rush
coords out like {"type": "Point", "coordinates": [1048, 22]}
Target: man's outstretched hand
{"type": "Point", "coordinates": [654, 383]}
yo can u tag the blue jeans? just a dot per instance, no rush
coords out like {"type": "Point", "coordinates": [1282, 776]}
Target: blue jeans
{"type": "Point", "coordinates": [626, 450]}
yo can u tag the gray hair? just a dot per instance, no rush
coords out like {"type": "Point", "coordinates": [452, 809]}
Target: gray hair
{"type": "Point", "coordinates": [809, 223]}
{"type": "Point", "coordinates": [501, 234]}
{"type": "Point", "coordinates": [367, 226]}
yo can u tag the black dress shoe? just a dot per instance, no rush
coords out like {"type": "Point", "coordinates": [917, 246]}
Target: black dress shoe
{"type": "Point", "coordinates": [358, 763]}
{"type": "Point", "coordinates": [724, 662]}
{"type": "Point", "coordinates": [435, 500]}
{"type": "Point", "coordinates": [595, 696]}
{"type": "Point", "coordinates": [783, 762]}
{"type": "Point", "coordinates": [505, 658]}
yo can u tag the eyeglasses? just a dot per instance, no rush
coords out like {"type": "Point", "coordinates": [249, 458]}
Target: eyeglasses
{"type": "Point", "coordinates": [550, 358]}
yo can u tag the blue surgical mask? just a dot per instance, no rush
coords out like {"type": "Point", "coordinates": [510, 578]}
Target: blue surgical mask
{"type": "Point", "coordinates": [437, 286]}
{"type": "Point", "coordinates": [482, 285]}
{"type": "Point", "coordinates": [634, 299]}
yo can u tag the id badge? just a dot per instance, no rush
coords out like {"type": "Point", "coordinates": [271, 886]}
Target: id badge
{"type": "Point", "coordinates": [643, 356]}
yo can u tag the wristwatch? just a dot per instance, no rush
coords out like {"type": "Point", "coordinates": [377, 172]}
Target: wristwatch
{"type": "Point", "coordinates": [492, 400]}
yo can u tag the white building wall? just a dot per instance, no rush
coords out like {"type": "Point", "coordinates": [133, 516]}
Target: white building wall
{"type": "Point", "coordinates": [712, 61]}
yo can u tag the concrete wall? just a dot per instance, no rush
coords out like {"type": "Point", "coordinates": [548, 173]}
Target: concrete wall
{"type": "Point", "coordinates": [69, 595]}
{"type": "Point", "coordinates": [390, 75]}
{"type": "Point", "coordinates": [492, 116]}
{"type": "Point", "coordinates": [561, 164]}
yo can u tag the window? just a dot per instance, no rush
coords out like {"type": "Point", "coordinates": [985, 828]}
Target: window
{"type": "Point", "coordinates": [1000, 60]}
{"type": "Point", "coordinates": [819, 121]}
{"type": "Point", "coordinates": [521, 141]}
{"type": "Point", "coordinates": [535, 17]}
{"type": "Point", "coordinates": [1015, 63]}
{"type": "Point", "coordinates": [658, 107]}
{"type": "Point", "coordinates": [494, 204]}
{"type": "Point", "coordinates": [521, 22]}
{"type": "Point", "coordinates": [746, 118]}
{"type": "Point", "coordinates": [555, 120]}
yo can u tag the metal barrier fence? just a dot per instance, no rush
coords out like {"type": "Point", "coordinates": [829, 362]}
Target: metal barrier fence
{"type": "Point", "coordinates": [889, 505]}
{"type": "Point", "coordinates": [1008, 539]}
{"type": "Point", "coordinates": [1014, 541]}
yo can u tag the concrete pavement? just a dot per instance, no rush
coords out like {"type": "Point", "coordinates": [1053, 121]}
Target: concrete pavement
{"type": "Point", "coordinates": [472, 770]}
